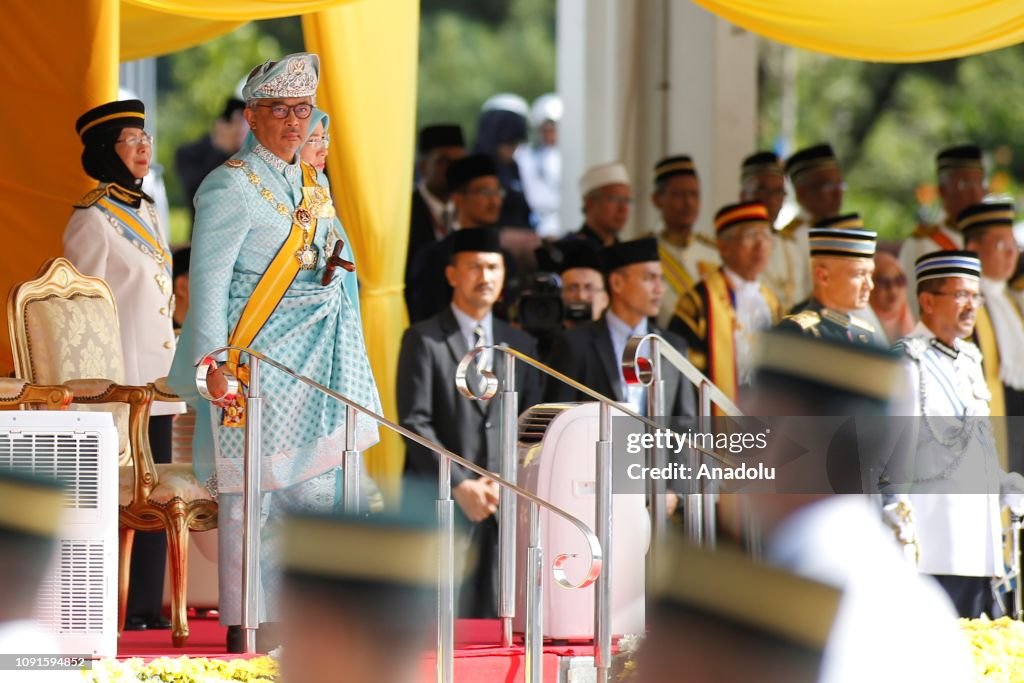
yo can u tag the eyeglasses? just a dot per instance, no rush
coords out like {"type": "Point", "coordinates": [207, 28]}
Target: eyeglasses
{"type": "Point", "coordinates": [962, 296]}
{"type": "Point", "coordinates": [136, 140]}
{"type": "Point", "coordinates": [281, 111]}
{"type": "Point", "coordinates": [586, 288]}
{"type": "Point", "coordinates": [890, 282]}
{"type": "Point", "coordinates": [963, 185]}
{"type": "Point", "coordinates": [488, 193]}
{"type": "Point", "coordinates": [614, 199]}
{"type": "Point", "coordinates": [323, 142]}
{"type": "Point", "coordinates": [829, 187]}
{"type": "Point", "coordinates": [754, 236]}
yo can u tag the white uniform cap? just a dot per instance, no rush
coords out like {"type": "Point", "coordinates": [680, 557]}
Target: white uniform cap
{"type": "Point", "coordinates": [507, 101]}
{"type": "Point", "coordinates": [546, 108]}
{"type": "Point", "coordinates": [612, 173]}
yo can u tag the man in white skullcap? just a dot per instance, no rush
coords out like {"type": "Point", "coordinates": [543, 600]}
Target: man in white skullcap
{"type": "Point", "coordinates": [607, 198]}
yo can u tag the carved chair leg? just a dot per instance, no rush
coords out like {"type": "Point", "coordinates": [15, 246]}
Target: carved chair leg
{"type": "Point", "coordinates": [126, 539]}
{"type": "Point", "coordinates": [177, 551]}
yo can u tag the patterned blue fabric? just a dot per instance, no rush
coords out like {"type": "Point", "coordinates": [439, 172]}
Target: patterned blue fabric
{"type": "Point", "coordinates": [316, 331]}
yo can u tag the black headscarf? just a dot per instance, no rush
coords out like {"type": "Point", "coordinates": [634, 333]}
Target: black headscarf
{"type": "Point", "coordinates": [99, 129]}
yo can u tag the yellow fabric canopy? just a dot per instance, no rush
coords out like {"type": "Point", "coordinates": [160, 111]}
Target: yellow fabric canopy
{"type": "Point", "coordinates": [149, 33]}
{"type": "Point", "coordinates": [59, 60]}
{"type": "Point", "coordinates": [236, 10]}
{"type": "Point", "coordinates": [368, 56]}
{"type": "Point", "coordinates": [880, 30]}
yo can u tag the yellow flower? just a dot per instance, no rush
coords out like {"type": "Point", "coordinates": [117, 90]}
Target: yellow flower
{"type": "Point", "coordinates": [184, 670]}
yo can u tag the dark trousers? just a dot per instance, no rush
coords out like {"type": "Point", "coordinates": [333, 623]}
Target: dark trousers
{"type": "Point", "coordinates": [149, 554]}
{"type": "Point", "coordinates": [479, 596]}
{"type": "Point", "coordinates": [971, 595]}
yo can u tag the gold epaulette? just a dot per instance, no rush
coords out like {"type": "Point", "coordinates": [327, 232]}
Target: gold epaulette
{"type": "Point", "coordinates": [863, 324]}
{"type": "Point", "coordinates": [91, 197]}
{"type": "Point", "coordinates": [924, 230]}
{"type": "Point", "coordinates": [790, 229]}
{"type": "Point", "coordinates": [805, 319]}
{"type": "Point", "coordinates": [706, 241]}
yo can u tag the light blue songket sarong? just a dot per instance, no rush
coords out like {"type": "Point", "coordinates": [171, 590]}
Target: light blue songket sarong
{"type": "Point", "coordinates": [244, 213]}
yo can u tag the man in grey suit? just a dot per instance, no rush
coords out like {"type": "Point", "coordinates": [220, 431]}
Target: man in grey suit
{"type": "Point", "coordinates": [430, 405]}
{"type": "Point", "coordinates": [592, 354]}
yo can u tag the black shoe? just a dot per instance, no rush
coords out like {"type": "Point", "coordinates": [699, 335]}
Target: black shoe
{"type": "Point", "coordinates": [135, 624]}
{"type": "Point", "coordinates": [236, 640]}
{"type": "Point", "coordinates": [158, 623]}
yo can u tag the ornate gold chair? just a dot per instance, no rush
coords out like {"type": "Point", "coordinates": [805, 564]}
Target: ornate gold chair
{"type": "Point", "coordinates": [16, 394]}
{"type": "Point", "coordinates": [64, 330]}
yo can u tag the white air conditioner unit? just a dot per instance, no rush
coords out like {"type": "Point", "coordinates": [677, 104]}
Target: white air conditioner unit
{"type": "Point", "coordinates": [558, 462]}
{"type": "Point", "coordinates": [77, 601]}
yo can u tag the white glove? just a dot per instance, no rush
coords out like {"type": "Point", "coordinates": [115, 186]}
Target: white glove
{"type": "Point", "coordinates": [1014, 501]}
{"type": "Point", "coordinates": [899, 516]}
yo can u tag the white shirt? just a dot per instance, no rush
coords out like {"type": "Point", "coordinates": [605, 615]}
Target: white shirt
{"type": "Point", "coordinates": [1008, 325]}
{"type": "Point", "coordinates": [752, 316]}
{"type": "Point", "coordinates": [893, 625]}
{"type": "Point", "coordinates": [635, 395]}
{"type": "Point", "coordinates": [540, 170]}
{"type": "Point", "coordinates": [467, 325]}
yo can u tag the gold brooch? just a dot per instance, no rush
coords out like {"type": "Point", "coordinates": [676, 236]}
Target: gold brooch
{"type": "Point", "coordinates": [303, 217]}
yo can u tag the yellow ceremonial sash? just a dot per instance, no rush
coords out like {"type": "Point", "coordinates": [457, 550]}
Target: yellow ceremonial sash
{"type": "Point", "coordinates": [721, 343]}
{"type": "Point", "coordinates": [985, 335]}
{"type": "Point", "coordinates": [678, 279]}
{"type": "Point", "coordinates": [266, 296]}
{"type": "Point", "coordinates": [131, 221]}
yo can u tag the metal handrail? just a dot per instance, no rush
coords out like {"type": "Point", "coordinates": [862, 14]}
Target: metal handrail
{"type": "Point", "coordinates": [698, 504]}
{"type": "Point", "coordinates": [251, 505]}
{"type": "Point", "coordinates": [638, 369]}
{"type": "Point", "coordinates": [603, 512]}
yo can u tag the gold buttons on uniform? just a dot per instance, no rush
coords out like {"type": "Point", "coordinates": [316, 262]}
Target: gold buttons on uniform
{"type": "Point", "coordinates": [168, 345]}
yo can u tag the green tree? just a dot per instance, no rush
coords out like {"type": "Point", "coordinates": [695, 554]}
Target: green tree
{"type": "Point", "coordinates": [465, 60]}
{"type": "Point", "coordinates": [887, 121]}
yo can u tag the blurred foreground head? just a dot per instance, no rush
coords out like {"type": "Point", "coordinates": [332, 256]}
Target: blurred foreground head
{"type": "Point", "coordinates": [720, 617]}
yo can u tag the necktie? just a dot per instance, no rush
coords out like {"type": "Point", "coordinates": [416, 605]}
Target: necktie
{"type": "Point", "coordinates": [479, 339]}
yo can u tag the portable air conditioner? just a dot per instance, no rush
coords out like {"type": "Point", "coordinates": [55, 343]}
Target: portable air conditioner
{"type": "Point", "coordinates": [78, 598]}
{"type": "Point", "coordinates": [558, 462]}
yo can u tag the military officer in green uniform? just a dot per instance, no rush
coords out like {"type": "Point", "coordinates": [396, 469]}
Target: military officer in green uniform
{"type": "Point", "coordinates": [842, 264]}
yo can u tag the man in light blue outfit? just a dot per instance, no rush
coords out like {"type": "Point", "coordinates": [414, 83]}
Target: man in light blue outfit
{"type": "Point", "coordinates": [266, 216]}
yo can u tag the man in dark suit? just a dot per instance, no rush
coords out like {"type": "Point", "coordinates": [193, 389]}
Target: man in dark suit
{"type": "Point", "coordinates": [429, 222]}
{"type": "Point", "coordinates": [592, 354]}
{"type": "Point", "coordinates": [476, 196]}
{"type": "Point", "coordinates": [430, 405]}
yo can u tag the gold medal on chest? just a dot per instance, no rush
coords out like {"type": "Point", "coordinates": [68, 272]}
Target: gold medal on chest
{"type": "Point", "coordinates": [308, 257]}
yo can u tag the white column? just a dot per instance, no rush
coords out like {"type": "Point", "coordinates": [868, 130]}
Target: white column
{"type": "Point", "coordinates": [642, 79]}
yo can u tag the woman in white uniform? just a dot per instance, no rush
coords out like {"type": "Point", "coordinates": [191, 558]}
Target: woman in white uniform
{"type": "Point", "coordinates": [115, 234]}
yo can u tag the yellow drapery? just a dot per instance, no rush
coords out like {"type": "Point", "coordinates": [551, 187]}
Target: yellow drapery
{"type": "Point", "coordinates": [880, 30]}
{"type": "Point", "coordinates": [149, 33]}
{"type": "Point", "coordinates": [368, 56]}
{"type": "Point", "coordinates": [60, 59]}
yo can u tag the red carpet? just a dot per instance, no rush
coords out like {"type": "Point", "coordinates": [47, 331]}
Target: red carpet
{"type": "Point", "coordinates": [477, 658]}
{"type": "Point", "coordinates": [207, 638]}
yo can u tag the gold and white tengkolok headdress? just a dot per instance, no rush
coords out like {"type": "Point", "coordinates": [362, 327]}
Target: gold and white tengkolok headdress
{"type": "Point", "coordinates": [296, 75]}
